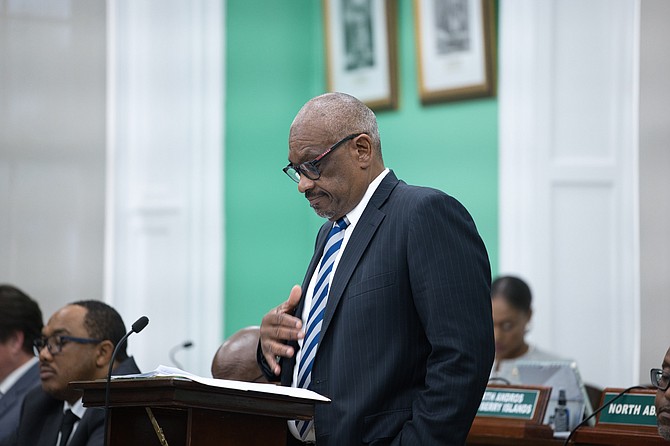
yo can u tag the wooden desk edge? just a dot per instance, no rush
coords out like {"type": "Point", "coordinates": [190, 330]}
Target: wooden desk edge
{"type": "Point", "coordinates": [179, 392]}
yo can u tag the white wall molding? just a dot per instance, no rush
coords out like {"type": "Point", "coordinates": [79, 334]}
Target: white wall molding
{"type": "Point", "coordinates": [568, 175]}
{"type": "Point", "coordinates": [654, 182]}
{"type": "Point", "coordinates": [164, 219]}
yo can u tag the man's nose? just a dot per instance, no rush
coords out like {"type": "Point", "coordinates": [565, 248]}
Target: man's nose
{"type": "Point", "coordinates": [45, 354]}
{"type": "Point", "coordinates": [305, 184]}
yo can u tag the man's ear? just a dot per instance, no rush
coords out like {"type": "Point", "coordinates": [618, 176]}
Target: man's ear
{"type": "Point", "coordinates": [105, 350]}
{"type": "Point", "coordinates": [15, 341]}
{"type": "Point", "coordinates": [364, 150]}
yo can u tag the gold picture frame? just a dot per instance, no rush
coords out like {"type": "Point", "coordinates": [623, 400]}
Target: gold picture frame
{"type": "Point", "coordinates": [455, 44]}
{"type": "Point", "coordinates": [360, 40]}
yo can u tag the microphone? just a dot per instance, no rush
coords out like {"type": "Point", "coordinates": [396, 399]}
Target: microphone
{"type": "Point", "coordinates": [135, 328]}
{"type": "Point", "coordinates": [173, 350]}
{"type": "Point", "coordinates": [600, 409]}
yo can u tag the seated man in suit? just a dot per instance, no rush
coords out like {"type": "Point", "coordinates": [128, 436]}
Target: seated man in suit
{"type": "Point", "coordinates": [236, 358]}
{"type": "Point", "coordinates": [76, 344]}
{"type": "Point", "coordinates": [660, 378]}
{"type": "Point", "coordinates": [20, 325]}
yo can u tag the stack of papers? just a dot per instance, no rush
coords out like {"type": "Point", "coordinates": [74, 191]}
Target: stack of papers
{"type": "Point", "coordinates": [163, 371]}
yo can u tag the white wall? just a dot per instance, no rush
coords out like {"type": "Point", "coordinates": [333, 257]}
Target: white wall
{"type": "Point", "coordinates": [111, 161]}
{"type": "Point", "coordinates": [584, 189]}
{"type": "Point", "coordinates": [654, 183]}
{"type": "Point", "coordinates": [165, 187]}
{"type": "Point", "coordinates": [52, 149]}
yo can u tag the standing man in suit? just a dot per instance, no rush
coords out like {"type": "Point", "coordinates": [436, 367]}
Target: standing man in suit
{"type": "Point", "coordinates": [401, 336]}
{"type": "Point", "coordinates": [20, 325]}
{"type": "Point", "coordinates": [76, 344]}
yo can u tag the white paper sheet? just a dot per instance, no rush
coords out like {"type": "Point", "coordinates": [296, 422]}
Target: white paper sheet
{"type": "Point", "coordinates": [163, 371]}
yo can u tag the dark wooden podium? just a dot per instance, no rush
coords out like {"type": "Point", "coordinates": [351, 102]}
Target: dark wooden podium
{"type": "Point", "coordinates": [192, 414]}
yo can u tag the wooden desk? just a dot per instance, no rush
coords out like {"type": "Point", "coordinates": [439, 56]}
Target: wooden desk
{"type": "Point", "coordinates": [608, 433]}
{"type": "Point", "coordinates": [190, 413]}
{"type": "Point", "coordinates": [500, 430]}
{"type": "Point", "coordinates": [494, 432]}
{"type": "Point", "coordinates": [621, 436]}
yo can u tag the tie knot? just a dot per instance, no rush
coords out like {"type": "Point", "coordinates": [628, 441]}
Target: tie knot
{"type": "Point", "coordinates": [67, 425]}
{"type": "Point", "coordinates": [69, 417]}
{"type": "Point", "coordinates": [342, 223]}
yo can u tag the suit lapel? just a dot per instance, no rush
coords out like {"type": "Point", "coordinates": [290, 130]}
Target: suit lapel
{"type": "Point", "coordinates": [5, 402]}
{"type": "Point", "coordinates": [356, 246]}
{"type": "Point", "coordinates": [51, 423]}
{"type": "Point", "coordinates": [8, 400]}
{"type": "Point", "coordinates": [90, 426]}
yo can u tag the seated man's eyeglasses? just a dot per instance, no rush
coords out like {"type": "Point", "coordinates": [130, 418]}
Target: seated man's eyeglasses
{"type": "Point", "coordinates": [660, 379]}
{"type": "Point", "coordinates": [309, 168]}
{"type": "Point", "coordinates": [55, 343]}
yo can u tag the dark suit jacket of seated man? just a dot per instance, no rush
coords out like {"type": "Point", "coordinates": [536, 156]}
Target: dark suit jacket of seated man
{"type": "Point", "coordinates": [662, 401]}
{"type": "Point", "coordinates": [406, 341]}
{"type": "Point", "coordinates": [77, 344]}
{"type": "Point", "coordinates": [20, 323]}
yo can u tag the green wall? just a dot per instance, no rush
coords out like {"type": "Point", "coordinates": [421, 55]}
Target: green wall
{"type": "Point", "coordinates": [274, 64]}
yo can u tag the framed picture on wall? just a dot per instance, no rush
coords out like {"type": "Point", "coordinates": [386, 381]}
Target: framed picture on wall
{"type": "Point", "coordinates": [455, 49]}
{"type": "Point", "coordinates": [360, 40]}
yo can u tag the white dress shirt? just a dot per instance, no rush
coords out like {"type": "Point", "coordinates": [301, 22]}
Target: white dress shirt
{"type": "Point", "coordinates": [353, 217]}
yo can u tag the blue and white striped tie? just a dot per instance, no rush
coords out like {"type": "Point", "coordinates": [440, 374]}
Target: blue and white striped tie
{"type": "Point", "coordinates": [315, 318]}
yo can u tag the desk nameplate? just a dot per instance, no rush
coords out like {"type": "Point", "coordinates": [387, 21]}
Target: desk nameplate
{"type": "Point", "coordinates": [630, 409]}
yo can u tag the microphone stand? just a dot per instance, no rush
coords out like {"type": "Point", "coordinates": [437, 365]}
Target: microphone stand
{"type": "Point", "coordinates": [136, 328]}
{"type": "Point", "coordinates": [598, 410]}
{"type": "Point", "coordinates": [173, 350]}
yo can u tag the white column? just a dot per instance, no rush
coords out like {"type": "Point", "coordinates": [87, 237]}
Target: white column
{"type": "Point", "coordinates": [164, 220]}
{"type": "Point", "coordinates": [654, 184]}
{"type": "Point", "coordinates": [568, 177]}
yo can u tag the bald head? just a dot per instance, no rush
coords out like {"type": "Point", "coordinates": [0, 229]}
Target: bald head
{"type": "Point", "coordinates": [337, 114]}
{"type": "Point", "coordinates": [236, 358]}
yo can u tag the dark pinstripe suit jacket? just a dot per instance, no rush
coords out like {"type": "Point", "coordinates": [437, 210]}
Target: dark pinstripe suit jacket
{"type": "Point", "coordinates": [407, 338]}
{"type": "Point", "coordinates": [41, 416]}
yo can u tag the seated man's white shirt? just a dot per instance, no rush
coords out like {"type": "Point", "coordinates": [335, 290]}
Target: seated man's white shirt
{"type": "Point", "coordinates": [78, 409]}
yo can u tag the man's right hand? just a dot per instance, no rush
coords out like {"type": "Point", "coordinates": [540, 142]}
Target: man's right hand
{"type": "Point", "coordinates": [278, 326]}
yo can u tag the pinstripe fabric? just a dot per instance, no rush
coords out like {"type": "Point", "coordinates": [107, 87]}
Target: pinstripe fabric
{"type": "Point", "coordinates": [407, 338]}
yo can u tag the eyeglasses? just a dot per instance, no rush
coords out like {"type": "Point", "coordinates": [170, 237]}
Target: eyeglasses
{"type": "Point", "coordinates": [660, 379]}
{"type": "Point", "coordinates": [55, 343]}
{"type": "Point", "coordinates": [309, 168]}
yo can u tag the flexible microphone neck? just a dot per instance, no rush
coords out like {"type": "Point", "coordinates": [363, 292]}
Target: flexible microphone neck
{"type": "Point", "coordinates": [173, 351]}
{"type": "Point", "coordinates": [600, 409]}
{"type": "Point", "coordinates": [494, 379]}
{"type": "Point", "coordinates": [135, 328]}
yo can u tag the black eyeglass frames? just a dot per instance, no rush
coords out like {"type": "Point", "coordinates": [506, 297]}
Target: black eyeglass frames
{"type": "Point", "coordinates": [309, 168]}
{"type": "Point", "coordinates": [55, 343]}
{"type": "Point", "coordinates": [660, 379]}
